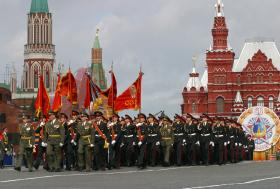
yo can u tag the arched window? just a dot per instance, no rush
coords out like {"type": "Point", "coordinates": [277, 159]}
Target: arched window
{"type": "Point", "coordinates": [47, 79]}
{"type": "Point", "coordinates": [238, 80]}
{"type": "Point", "coordinates": [36, 77]}
{"type": "Point", "coordinates": [220, 103]}
{"type": "Point", "coordinates": [250, 102]}
{"type": "Point", "coordinates": [260, 101]}
{"type": "Point", "coordinates": [194, 107]}
{"type": "Point", "coordinates": [270, 103]}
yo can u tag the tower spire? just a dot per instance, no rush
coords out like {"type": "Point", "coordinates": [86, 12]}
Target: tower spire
{"type": "Point", "coordinates": [194, 60]}
{"type": "Point", "coordinates": [220, 30]}
{"type": "Point", "coordinates": [219, 6]}
{"type": "Point", "coordinates": [39, 6]}
{"type": "Point", "coordinates": [96, 44]}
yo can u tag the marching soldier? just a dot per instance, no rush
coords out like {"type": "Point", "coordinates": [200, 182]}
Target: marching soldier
{"type": "Point", "coordinates": [167, 139]}
{"type": "Point", "coordinates": [26, 144]}
{"type": "Point", "coordinates": [205, 138]}
{"type": "Point", "coordinates": [41, 146]}
{"type": "Point", "coordinates": [72, 148]}
{"type": "Point", "coordinates": [86, 134]}
{"type": "Point", "coordinates": [115, 148]}
{"type": "Point", "coordinates": [153, 140]}
{"type": "Point", "coordinates": [219, 139]}
{"type": "Point", "coordinates": [142, 141]}
{"type": "Point", "coordinates": [192, 139]}
{"type": "Point", "coordinates": [3, 146]}
{"type": "Point", "coordinates": [129, 132]}
{"type": "Point", "coordinates": [54, 140]}
{"type": "Point", "coordinates": [179, 138]}
{"type": "Point", "coordinates": [102, 141]}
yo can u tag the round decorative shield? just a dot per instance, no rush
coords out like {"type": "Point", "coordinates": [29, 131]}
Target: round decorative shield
{"type": "Point", "coordinates": [263, 125]}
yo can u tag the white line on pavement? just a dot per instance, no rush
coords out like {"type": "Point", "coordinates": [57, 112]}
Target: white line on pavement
{"type": "Point", "coordinates": [233, 184]}
{"type": "Point", "coordinates": [89, 174]}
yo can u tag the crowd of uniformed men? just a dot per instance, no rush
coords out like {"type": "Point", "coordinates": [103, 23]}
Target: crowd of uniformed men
{"type": "Point", "coordinates": [91, 142]}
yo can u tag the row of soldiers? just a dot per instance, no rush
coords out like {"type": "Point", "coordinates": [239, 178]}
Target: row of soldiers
{"type": "Point", "coordinates": [91, 142]}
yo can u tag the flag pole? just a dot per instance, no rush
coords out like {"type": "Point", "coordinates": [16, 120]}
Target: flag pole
{"type": "Point", "coordinates": [140, 108]}
{"type": "Point", "coordinates": [112, 71]}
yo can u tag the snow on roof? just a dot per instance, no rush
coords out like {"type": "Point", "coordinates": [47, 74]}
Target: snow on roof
{"type": "Point", "coordinates": [204, 79]}
{"type": "Point", "coordinates": [194, 81]}
{"type": "Point", "coordinates": [251, 47]}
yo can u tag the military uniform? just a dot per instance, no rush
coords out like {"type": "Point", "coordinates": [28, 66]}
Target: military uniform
{"type": "Point", "coordinates": [167, 140]}
{"type": "Point", "coordinates": [26, 146]}
{"type": "Point", "coordinates": [142, 144]}
{"type": "Point", "coordinates": [179, 139]}
{"type": "Point", "coordinates": [3, 148]}
{"type": "Point", "coordinates": [192, 142]}
{"type": "Point", "coordinates": [115, 147]}
{"type": "Point", "coordinates": [54, 137]}
{"type": "Point", "coordinates": [102, 141]}
{"type": "Point", "coordinates": [205, 131]}
{"type": "Point", "coordinates": [85, 144]}
{"type": "Point", "coordinates": [220, 143]}
{"type": "Point", "coordinates": [41, 147]}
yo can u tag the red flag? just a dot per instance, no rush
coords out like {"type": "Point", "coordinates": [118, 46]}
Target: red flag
{"type": "Point", "coordinates": [67, 87]}
{"type": "Point", "coordinates": [57, 98]}
{"type": "Point", "coordinates": [111, 93]}
{"type": "Point", "coordinates": [131, 97]}
{"type": "Point", "coordinates": [88, 97]}
{"type": "Point", "coordinates": [42, 103]}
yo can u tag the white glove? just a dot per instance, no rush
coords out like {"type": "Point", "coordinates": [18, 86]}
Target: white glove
{"type": "Point", "coordinates": [240, 144]}
{"type": "Point", "coordinates": [157, 143]}
{"type": "Point", "coordinates": [6, 149]}
{"type": "Point", "coordinates": [42, 124]}
{"type": "Point", "coordinates": [122, 144]}
{"type": "Point", "coordinates": [212, 144]}
{"type": "Point", "coordinates": [113, 142]}
{"type": "Point", "coordinates": [91, 145]}
{"type": "Point", "coordinates": [184, 140]}
{"type": "Point", "coordinates": [30, 146]}
{"type": "Point", "coordinates": [44, 144]}
{"type": "Point", "coordinates": [133, 144]}
{"type": "Point", "coordinates": [236, 144]}
{"type": "Point", "coordinates": [197, 143]}
{"type": "Point", "coordinates": [60, 144]}
{"type": "Point", "coordinates": [225, 143]}
{"type": "Point", "coordinates": [70, 122]}
{"type": "Point", "coordinates": [139, 124]}
{"type": "Point", "coordinates": [228, 142]}
{"type": "Point", "coordinates": [246, 147]}
{"type": "Point", "coordinates": [139, 143]}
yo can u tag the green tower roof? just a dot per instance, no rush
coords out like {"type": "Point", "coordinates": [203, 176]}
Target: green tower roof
{"type": "Point", "coordinates": [39, 6]}
{"type": "Point", "coordinates": [96, 44]}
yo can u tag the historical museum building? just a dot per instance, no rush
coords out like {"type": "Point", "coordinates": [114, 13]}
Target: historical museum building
{"type": "Point", "coordinates": [230, 85]}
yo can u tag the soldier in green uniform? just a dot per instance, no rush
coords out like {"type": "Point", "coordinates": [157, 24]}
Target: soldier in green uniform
{"type": "Point", "coordinates": [167, 139]}
{"type": "Point", "coordinates": [54, 137]}
{"type": "Point", "coordinates": [26, 144]}
{"type": "Point", "coordinates": [85, 132]}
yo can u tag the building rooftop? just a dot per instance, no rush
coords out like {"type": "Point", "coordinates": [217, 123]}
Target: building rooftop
{"type": "Point", "coordinates": [251, 47]}
{"type": "Point", "coordinates": [39, 6]}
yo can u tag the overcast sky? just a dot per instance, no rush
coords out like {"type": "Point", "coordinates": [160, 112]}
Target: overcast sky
{"type": "Point", "coordinates": [160, 35]}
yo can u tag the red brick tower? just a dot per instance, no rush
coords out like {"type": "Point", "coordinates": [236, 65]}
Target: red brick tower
{"type": "Point", "coordinates": [219, 59]}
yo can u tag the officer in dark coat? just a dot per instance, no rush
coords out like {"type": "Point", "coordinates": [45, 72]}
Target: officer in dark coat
{"type": "Point", "coordinates": [41, 145]}
{"type": "Point", "coordinates": [153, 140]}
{"type": "Point", "coordinates": [205, 130]}
{"type": "Point", "coordinates": [102, 141]}
{"type": "Point", "coordinates": [142, 141]}
{"type": "Point", "coordinates": [71, 141]}
{"type": "Point", "coordinates": [251, 148]}
{"type": "Point", "coordinates": [130, 137]}
{"type": "Point", "coordinates": [179, 138]}
{"type": "Point", "coordinates": [115, 129]}
{"type": "Point", "coordinates": [192, 139]}
{"type": "Point", "coordinates": [219, 140]}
